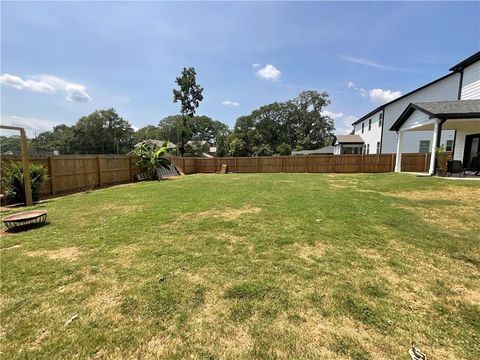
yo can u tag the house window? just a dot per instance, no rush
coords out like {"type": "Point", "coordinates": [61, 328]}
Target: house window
{"type": "Point", "coordinates": [369, 124]}
{"type": "Point", "coordinates": [380, 119]}
{"type": "Point", "coordinates": [424, 146]}
{"type": "Point", "coordinates": [449, 145]}
{"type": "Point", "coordinates": [368, 148]}
{"type": "Point", "coordinates": [378, 147]}
{"type": "Point", "coordinates": [363, 127]}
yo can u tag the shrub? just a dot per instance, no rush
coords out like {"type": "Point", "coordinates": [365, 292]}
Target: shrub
{"type": "Point", "coordinates": [12, 180]}
{"type": "Point", "coordinates": [284, 149]}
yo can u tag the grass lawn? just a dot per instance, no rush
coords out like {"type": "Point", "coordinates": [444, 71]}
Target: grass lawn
{"type": "Point", "coordinates": [257, 266]}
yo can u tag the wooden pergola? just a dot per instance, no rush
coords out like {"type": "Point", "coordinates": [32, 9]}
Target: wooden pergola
{"type": "Point", "coordinates": [26, 171]}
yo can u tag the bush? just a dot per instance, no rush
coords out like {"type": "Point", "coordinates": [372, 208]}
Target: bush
{"type": "Point", "coordinates": [12, 180]}
{"type": "Point", "coordinates": [284, 149]}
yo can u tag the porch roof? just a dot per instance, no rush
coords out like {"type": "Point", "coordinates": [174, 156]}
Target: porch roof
{"type": "Point", "coordinates": [444, 110]}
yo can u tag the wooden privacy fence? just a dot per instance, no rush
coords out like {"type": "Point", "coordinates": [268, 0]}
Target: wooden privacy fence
{"type": "Point", "coordinates": [290, 164]}
{"type": "Point", "coordinates": [68, 174]}
{"type": "Point", "coordinates": [77, 173]}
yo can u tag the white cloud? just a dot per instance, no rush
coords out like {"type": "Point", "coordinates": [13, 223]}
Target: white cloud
{"type": "Point", "coordinates": [371, 63]}
{"type": "Point", "coordinates": [332, 115]}
{"type": "Point", "coordinates": [269, 72]}
{"type": "Point", "coordinates": [256, 65]}
{"type": "Point", "coordinates": [230, 103]}
{"type": "Point", "coordinates": [47, 84]}
{"type": "Point", "coordinates": [379, 96]}
{"type": "Point", "coordinates": [75, 92]}
{"type": "Point", "coordinates": [383, 96]}
{"type": "Point", "coordinates": [31, 125]}
{"type": "Point", "coordinates": [31, 85]}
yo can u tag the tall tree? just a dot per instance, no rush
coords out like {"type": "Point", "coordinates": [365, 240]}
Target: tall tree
{"type": "Point", "coordinates": [189, 95]}
{"type": "Point", "coordinates": [298, 123]}
{"type": "Point", "coordinates": [102, 132]}
{"type": "Point", "coordinates": [148, 132]}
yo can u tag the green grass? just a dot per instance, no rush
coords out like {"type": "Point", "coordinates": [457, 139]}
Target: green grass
{"type": "Point", "coordinates": [260, 266]}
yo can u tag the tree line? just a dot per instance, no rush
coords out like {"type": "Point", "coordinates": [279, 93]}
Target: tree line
{"type": "Point", "coordinates": [277, 128]}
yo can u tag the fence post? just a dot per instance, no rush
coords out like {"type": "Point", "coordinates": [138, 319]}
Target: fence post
{"type": "Point", "coordinates": [425, 167]}
{"type": "Point", "coordinates": [361, 164]}
{"type": "Point", "coordinates": [214, 165]}
{"type": "Point", "coordinates": [130, 168]}
{"type": "Point", "coordinates": [99, 172]}
{"type": "Point", "coordinates": [50, 171]}
{"type": "Point", "coordinates": [256, 164]}
{"type": "Point", "coordinates": [393, 163]}
{"type": "Point", "coordinates": [235, 163]}
{"type": "Point", "coordinates": [333, 163]}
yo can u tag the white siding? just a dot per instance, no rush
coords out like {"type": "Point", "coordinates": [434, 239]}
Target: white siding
{"type": "Point", "coordinates": [471, 82]}
{"type": "Point", "coordinates": [417, 118]}
{"type": "Point", "coordinates": [370, 136]}
{"type": "Point", "coordinates": [446, 89]}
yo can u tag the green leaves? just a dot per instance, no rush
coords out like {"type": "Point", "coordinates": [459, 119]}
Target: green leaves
{"type": "Point", "coordinates": [151, 158]}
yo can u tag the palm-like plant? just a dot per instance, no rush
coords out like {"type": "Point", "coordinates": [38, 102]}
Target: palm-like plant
{"type": "Point", "coordinates": [151, 158]}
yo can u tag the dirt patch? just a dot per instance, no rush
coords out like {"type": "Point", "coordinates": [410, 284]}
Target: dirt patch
{"type": "Point", "coordinates": [70, 253]}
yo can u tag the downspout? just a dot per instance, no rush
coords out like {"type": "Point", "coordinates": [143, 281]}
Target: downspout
{"type": "Point", "coordinates": [460, 84]}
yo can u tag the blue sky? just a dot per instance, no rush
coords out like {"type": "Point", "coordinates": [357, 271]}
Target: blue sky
{"type": "Point", "coordinates": [63, 60]}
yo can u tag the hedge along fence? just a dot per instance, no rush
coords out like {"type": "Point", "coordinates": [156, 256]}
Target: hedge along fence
{"type": "Point", "coordinates": [69, 174]}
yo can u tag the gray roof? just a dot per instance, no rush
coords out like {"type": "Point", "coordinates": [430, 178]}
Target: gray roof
{"type": "Point", "coordinates": [324, 150]}
{"type": "Point", "coordinates": [157, 143]}
{"type": "Point", "coordinates": [449, 108]}
{"type": "Point", "coordinates": [456, 109]}
{"type": "Point", "coordinates": [349, 139]}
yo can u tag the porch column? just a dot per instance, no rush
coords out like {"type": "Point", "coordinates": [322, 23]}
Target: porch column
{"type": "Point", "coordinates": [398, 161]}
{"type": "Point", "coordinates": [433, 156]}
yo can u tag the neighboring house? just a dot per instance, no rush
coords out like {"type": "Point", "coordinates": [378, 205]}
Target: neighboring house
{"type": "Point", "coordinates": [204, 146]}
{"type": "Point", "coordinates": [348, 144]}
{"type": "Point", "coordinates": [327, 150]}
{"type": "Point", "coordinates": [462, 116]}
{"type": "Point", "coordinates": [461, 83]}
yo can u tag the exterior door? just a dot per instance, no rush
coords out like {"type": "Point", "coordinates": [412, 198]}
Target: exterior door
{"type": "Point", "coordinates": [472, 148]}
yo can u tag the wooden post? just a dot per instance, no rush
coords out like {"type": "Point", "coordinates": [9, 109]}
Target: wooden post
{"type": "Point", "coordinates": [26, 170]}
{"type": "Point", "coordinates": [50, 170]}
{"type": "Point", "coordinates": [425, 166]}
{"type": "Point", "coordinates": [99, 172]}
{"type": "Point", "coordinates": [361, 164]}
{"type": "Point", "coordinates": [393, 162]}
{"type": "Point", "coordinates": [130, 168]}
{"type": "Point", "coordinates": [333, 163]}
{"type": "Point", "coordinates": [235, 163]}
{"type": "Point", "coordinates": [214, 165]}
{"type": "Point", "coordinates": [256, 164]}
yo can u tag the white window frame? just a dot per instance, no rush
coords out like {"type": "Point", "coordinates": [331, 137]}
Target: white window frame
{"type": "Point", "coordinates": [425, 147]}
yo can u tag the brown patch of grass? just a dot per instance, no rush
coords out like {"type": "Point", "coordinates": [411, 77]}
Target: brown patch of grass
{"type": "Point", "coordinates": [68, 253]}
{"type": "Point", "coordinates": [310, 252]}
{"type": "Point", "coordinates": [122, 208]}
{"type": "Point", "coordinates": [12, 247]}
{"type": "Point", "coordinates": [463, 214]}
{"type": "Point", "coordinates": [226, 214]}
